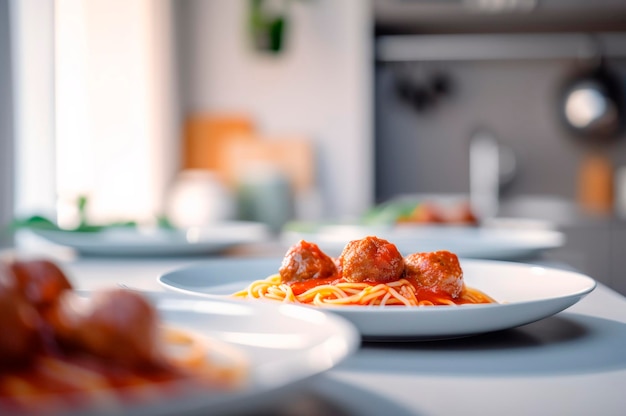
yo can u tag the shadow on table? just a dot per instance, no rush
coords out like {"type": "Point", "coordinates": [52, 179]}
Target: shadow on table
{"type": "Point", "coordinates": [567, 343]}
{"type": "Point", "coordinates": [328, 397]}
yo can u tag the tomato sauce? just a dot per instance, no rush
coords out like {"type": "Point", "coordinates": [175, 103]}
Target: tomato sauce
{"type": "Point", "coordinates": [77, 382]}
{"type": "Point", "coordinates": [114, 376]}
{"type": "Point", "coordinates": [300, 287]}
{"type": "Point", "coordinates": [421, 293]}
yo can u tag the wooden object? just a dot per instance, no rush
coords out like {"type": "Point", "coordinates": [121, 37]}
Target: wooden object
{"type": "Point", "coordinates": [205, 135]}
{"type": "Point", "coordinates": [294, 156]}
{"type": "Point", "coordinates": [595, 184]}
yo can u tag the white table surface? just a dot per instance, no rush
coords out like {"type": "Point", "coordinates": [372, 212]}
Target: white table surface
{"type": "Point", "coordinates": [573, 363]}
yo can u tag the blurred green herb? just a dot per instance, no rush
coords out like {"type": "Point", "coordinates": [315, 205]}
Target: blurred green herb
{"type": "Point", "coordinates": [40, 222]}
{"type": "Point", "coordinates": [388, 213]}
{"type": "Point", "coordinates": [164, 223]}
{"type": "Point", "coordinates": [267, 28]}
{"type": "Point", "coordinates": [36, 221]}
{"type": "Point", "coordinates": [302, 226]}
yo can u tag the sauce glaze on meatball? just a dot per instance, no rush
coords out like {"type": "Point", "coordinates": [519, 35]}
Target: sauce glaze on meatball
{"type": "Point", "coordinates": [371, 260]}
{"type": "Point", "coordinates": [304, 261]}
{"type": "Point", "coordinates": [19, 336]}
{"type": "Point", "coordinates": [40, 281]}
{"type": "Point", "coordinates": [116, 324]}
{"type": "Point", "coordinates": [438, 271]}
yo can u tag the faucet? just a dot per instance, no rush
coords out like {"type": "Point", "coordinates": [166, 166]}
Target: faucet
{"type": "Point", "coordinates": [484, 174]}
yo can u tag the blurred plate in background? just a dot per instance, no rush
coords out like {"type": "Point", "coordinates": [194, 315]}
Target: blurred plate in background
{"type": "Point", "coordinates": [497, 242]}
{"type": "Point", "coordinates": [158, 241]}
{"type": "Point", "coordinates": [275, 346]}
{"type": "Point", "coordinates": [284, 344]}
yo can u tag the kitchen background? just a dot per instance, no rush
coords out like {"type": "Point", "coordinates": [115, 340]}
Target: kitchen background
{"type": "Point", "coordinates": [447, 75]}
{"type": "Point", "coordinates": [113, 99]}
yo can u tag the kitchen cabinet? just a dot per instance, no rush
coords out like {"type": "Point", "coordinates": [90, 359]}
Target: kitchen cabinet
{"type": "Point", "coordinates": [594, 244]}
{"type": "Point", "coordinates": [597, 248]}
{"type": "Point", "coordinates": [618, 257]}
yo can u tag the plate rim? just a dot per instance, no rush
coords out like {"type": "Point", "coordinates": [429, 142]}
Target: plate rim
{"type": "Point", "coordinates": [341, 327]}
{"type": "Point", "coordinates": [336, 329]}
{"type": "Point", "coordinates": [356, 312]}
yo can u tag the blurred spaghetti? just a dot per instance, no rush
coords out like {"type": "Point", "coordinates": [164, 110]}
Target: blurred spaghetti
{"type": "Point", "coordinates": [60, 352]}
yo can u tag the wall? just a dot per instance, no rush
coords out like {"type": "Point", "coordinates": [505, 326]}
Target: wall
{"type": "Point", "coordinates": [320, 87]}
{"type": "Point", "coordinates": [32, 66]}
{"type": "Point", "coordinates": [516, 100]}
{"type": "Point", "coordinates": [6, 123]}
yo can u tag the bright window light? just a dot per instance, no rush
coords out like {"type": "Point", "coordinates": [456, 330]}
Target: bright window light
{"type": "Point", "coordinates": [112, 87]}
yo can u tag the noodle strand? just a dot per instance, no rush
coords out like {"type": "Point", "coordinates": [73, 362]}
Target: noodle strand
{"type": "Point", "coordinates": [400, 292]}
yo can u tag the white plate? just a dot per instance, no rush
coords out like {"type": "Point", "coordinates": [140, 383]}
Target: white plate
{"type": "Point", "coordinates": [526, 293]}
{"type": "Point", "coordinates": [283, 344]}
{"type": "Point", "coordinates": [151, 242]}
{"type": "Point", "coordinates": [499, 243]}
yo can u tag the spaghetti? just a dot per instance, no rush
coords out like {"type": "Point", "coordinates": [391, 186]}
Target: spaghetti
{"type": "Point", "coordinates": [398, 293]}
{"type": "Point", "coordinates": [369, 272]}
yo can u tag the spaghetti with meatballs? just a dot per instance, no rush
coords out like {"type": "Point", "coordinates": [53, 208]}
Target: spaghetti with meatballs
{"type": "Point", "coordinates": [370, 271]}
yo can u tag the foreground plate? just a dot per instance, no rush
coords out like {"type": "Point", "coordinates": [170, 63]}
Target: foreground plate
{"type": "Point", "coordinates": [153, 242]}
{"type": "Point", "coordinates": [283, 344]}
{"type": "Point", "coordinates": [498, 243]}
{"type": "Point", "coordinates": [526, 293]}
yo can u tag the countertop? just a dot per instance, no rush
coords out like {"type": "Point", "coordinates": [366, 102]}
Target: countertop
{"type": "Point", "coordinates": [573, 363]}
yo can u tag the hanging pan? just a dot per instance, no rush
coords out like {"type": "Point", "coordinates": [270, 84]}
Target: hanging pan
{"type": "Point", "coordinates": [591, 102]}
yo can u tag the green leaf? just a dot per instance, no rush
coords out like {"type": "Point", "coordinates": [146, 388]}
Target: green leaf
{"type": "Point", "coordinates": [36, 221]}
{"type": "Point", "coordinates": [164, 222]}
{"type": "Point", "coordinates": [388, 213]}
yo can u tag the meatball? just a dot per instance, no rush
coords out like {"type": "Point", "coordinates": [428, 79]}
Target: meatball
{"type": "Point", "coordinates": [304, 261]}
{"type": "Point", "coordinates": [40, 281]}
{"type": "Point", "coordinates": [371, 260]}
{"type": "Point", "coordinates": [115, 324]}
{"type": "Point", "coordinates": [463, 214]}
{"type": "Point", "coordinates": [438, 271]}
{"type": "Point", "coordinates": [427, 212]}
{"type": "Point", "coordinates": [19, 336]}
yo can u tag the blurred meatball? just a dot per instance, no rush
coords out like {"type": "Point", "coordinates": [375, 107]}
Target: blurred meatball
{"type": "Point", "coordinates": [118, 325]}
{"type": "Point", "coordinates": [426, 212]}
{"type": "Point", "coordinates": [304, 261]}
{"type": "Point", "coordinates": [40, 281]}
{"type": "Point", "coordinates": [371, 260]}
{"type": "Point", "coordinates": [19, 337]}
{"type": "Point", "coordinates": [462, 214]}
{"type": "Point", "coordinates": [438, 271]}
